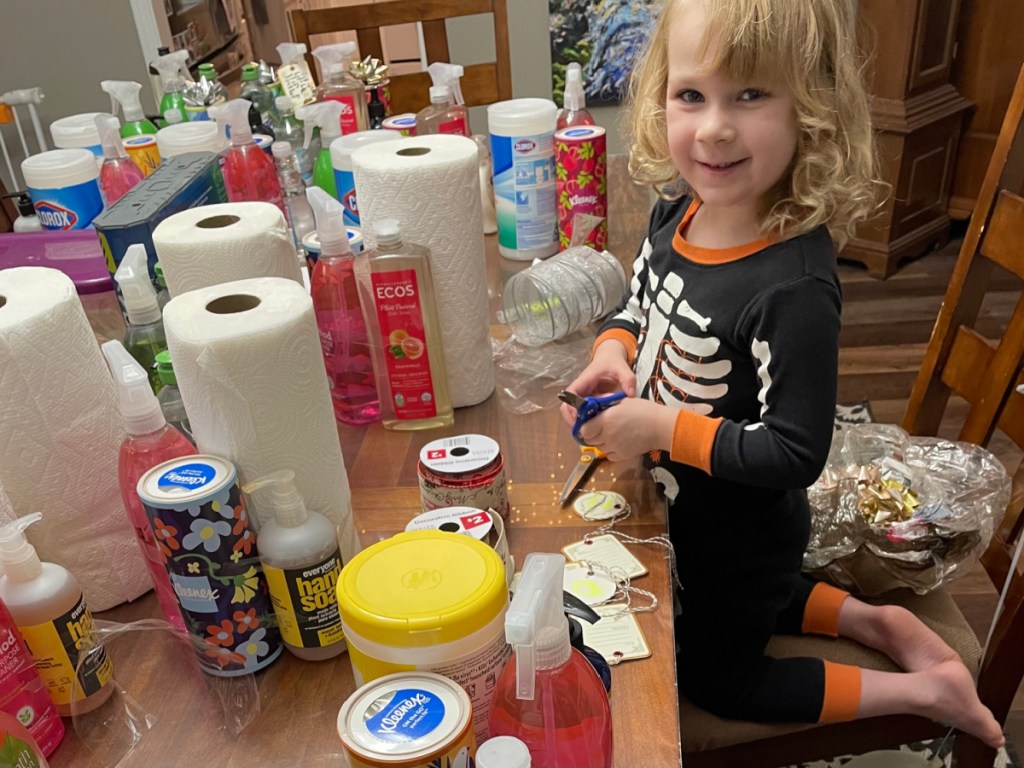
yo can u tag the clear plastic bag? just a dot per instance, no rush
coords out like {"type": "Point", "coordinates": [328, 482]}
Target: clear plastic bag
{"type": "Point", "coordinates": [892, 511]}
{"type": "Point", "coordinates": [529, 379]}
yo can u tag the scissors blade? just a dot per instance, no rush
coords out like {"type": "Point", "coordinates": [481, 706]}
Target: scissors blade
{"type": "Point", "coordinates": [588, 460]}
{"type": "Point", "coordinates": [570, 398]}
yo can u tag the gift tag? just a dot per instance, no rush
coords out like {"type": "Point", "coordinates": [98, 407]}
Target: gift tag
{"type": "Point", "coordinates": [617, 636]}
{"type": "Point", "coordinates": [607, 551]}
{"type": "Point", "coordinates": [589, 586]}
{"type": "Point", "coordinates": [600, 505]}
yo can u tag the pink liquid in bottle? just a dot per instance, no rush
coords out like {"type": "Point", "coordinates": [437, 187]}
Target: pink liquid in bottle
{"type": "Point", "coordinates": [250, 175]}
{"type": "Point", "coordinates": [22, 692]}
{"type": "Point", "coordinates": [117, 176]}
{"type": "Point", "coordinates": [343, 340]}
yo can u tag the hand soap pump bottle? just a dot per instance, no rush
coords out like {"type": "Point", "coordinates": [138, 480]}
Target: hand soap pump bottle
{"type": "Point", "coordinates": [119, 173]}
{"type": "Point", "coordinates": [27, 220]}
{"type": "Point", "coordinates": [172, 81]}
{"type": "Point", "coordinates": [548, 694]}
{"type": "Point", "coordinates": [396, 293]}
{"type": "Point", "coordinates": [338, 85]}
{"type": "Point", "coordinates": [574, 103]}
{"type": "Point", "coordinates": [343, 338]}
{"type": "Point", "coordinates": [325, 116]}
{"type": "Point", "coordinates": [302, 562]}
{"type": "Point", "coordinates": [144, 335]}
{"type": "Point", "coordinates": [150, 441]}
{"type": "Point", "coordinates": [447, 112]}
{"type": "Point", "coordinates": [249, 173]}
{"type": "Point", "coordinates": [47, 604]}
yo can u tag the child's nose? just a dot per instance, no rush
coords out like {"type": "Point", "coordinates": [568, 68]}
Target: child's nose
{"type": "Point", "coordinates": [716, 125]}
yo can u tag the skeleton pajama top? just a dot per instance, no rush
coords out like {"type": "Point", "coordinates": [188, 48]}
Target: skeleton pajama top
{"type": "Point", "coordinates": [744, 342]}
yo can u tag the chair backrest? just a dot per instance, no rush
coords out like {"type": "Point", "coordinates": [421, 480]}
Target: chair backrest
{"type": "Point", "coordinates": [482, 84]}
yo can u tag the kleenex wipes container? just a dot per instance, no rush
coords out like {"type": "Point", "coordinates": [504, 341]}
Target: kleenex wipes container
{"type": "Point", "coordinates": [64, 187]}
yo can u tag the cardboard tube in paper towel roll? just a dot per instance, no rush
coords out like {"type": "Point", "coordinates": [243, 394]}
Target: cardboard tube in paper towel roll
{"type": "Point", "coordinates": [248, 362]}
{"type": "Point", "coordinates": [431, 185]}
{"type": "Point", "coordinates": [60, 434]}
{"type": "Point", "coordinates": [216, 244]}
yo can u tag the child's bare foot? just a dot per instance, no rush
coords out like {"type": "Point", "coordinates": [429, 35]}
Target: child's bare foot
{"type": "Point", "coordinates": [909, 642]}
{"type": "Point", "coordinates": [950, 697]}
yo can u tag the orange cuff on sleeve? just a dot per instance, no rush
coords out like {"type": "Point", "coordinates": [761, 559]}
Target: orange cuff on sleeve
{"type": "Point", "coordinates": [821, 614]}
{"type": "Point", "coordinates": [621, 335]}
{"type": "Point", "coordinates": [692, 439]}
{"type": "Point", "coordinates": [842, 693]}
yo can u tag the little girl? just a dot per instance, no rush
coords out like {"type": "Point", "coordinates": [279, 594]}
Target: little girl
{"type": "Point", "coordinates": [749, 117]}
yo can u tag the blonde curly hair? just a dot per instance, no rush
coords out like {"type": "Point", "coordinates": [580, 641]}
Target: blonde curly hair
{"type": "Point", "coordinates": [809, 45]}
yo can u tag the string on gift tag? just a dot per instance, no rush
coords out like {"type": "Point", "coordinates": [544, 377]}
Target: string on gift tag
{"type": "Point", "coordinates": [624, 591]}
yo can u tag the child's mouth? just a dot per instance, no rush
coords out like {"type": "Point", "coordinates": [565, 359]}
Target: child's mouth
{"type": "Point", "coordinates": [720, 166]}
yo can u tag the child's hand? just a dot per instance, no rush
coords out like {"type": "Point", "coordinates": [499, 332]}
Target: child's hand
{"type": "Point", "coordinates": [608, 372]}
{"type": "Point", "coordinates": [630, 428]}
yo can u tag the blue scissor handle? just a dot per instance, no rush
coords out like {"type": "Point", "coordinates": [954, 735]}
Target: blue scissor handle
{"type": "Point", "coordinates": [589, 408]}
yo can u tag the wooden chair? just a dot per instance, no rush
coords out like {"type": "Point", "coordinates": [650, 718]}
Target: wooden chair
{"type": "Point", "coordinates": [482, 84]}
{"type": "Point", "coordinates": [960, 360]}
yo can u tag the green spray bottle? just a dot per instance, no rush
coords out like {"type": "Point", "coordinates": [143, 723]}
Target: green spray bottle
{"type": "Point", "coordinates": [143, 151]}
{"type": "Point", "coordinates": [171, 67]}
{"type": "Point", "coordinates": [324, 115]}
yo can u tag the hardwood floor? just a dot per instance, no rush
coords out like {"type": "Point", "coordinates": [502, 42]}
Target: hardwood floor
{"type": "Point", "coordinates": [886, 327]}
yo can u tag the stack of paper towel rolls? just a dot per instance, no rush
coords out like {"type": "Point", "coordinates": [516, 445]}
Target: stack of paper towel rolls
{"type": "Point", "coordinates": [60, 434]}
{"type": "Point", "coordinates": [248, 362]}
{"type": "Point", "coordinates": [431, 185]}
{"type": "Point", "coordinates": [216, 244]}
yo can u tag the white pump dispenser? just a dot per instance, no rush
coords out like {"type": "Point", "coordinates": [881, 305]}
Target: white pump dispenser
{"type": "Point", "coordinates": [302, 562]}
{"type": "Point", "coordinates": [126, 94]}
{"type": "Point", "coordinates": [137, 289]}
{"type": "Point", "coordinates": [136, 401]}
{"type": "Point", "coordinates": [46, 603]}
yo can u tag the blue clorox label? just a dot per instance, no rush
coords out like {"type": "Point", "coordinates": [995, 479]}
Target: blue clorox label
{"type": "Point", "coordinates": [189, 476]}
{"type": "Point", "coordinates": [410, 715]}
{"type": "Point", "coordinates": [65, 208]}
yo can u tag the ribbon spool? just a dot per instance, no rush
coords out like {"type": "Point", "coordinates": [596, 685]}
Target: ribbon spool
{"type": "Point", "coordinates": [482, 524]}
{"type": "Point", "coordinates": [467, 471]}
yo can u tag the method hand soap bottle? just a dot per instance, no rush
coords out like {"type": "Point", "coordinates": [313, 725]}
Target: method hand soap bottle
{"type": "Point", "coordinates": [302, 562]}
{"type": "Point", "coordinates": [396, 294]}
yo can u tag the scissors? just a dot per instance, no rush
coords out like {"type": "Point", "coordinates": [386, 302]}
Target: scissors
{"type": "Point", "coordinates": [589, 456]}
{"type": "Point", "coordinates": [587, 407]}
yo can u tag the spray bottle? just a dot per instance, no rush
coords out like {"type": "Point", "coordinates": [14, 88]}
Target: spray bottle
{"type": "Point", "coordinates": [574, 109]}
{"type": "Point", "coordinates": [549, 695]}
{"type": "Point", "coordinates": [144, 336]}
{"type": "Point", "coordinates": [339, 318]}
{"type": "Point", "coordinates": [119, 173]}
{"type": "Point", "coordinates": [300, 215]}
{"type": "Point", "coordinates": [324, 116]}
{"type": "Point", "coordinates": [260, 96]}
{"type": "Point", "coordinates": [293, 76]}
{"type": "Point", "coordinates": [126, 94]}
{"type": "Point", "coordinates": [150, 441]}
{"type": "Point", "coordinates": [171, 404]}
{"type": "Point", "coordinates": [302, 562]}
{"type": "Point", "coordinates": [288, 127]}
{"type": "Point", "coordinates": [338, 85]}
{"type": "Point", "coordinates": [46, 602]}
{"type": "Point", "coordinates": [447, 112]}
{"type": "Point", "coordinates": [249, 173]}
{"type": "Point", "coordinates": [171, 67]}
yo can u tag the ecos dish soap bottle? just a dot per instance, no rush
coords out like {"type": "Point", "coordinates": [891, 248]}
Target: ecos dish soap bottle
{"type": "Point", "coordinates": [302, 562]}
{"type": "Point", "coordinates": [47, 604]}
{"type": "Point", "coordinates": [549, 695]}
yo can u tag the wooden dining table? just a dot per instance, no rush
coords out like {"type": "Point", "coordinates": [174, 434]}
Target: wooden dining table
{"type": "Point", "coordinates": [167, 713]}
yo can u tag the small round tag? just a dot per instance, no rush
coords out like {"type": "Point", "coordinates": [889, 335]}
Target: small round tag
{"type": "Point", "coordinates": [589, 586]}
{"type": "Point", "coordinates": [600, 505]}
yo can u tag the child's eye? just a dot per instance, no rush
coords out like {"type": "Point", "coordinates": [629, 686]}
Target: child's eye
{"type": "Point", "coordinates": [753, 94]}
{"type": "Point", "coordinates": [690, 96]}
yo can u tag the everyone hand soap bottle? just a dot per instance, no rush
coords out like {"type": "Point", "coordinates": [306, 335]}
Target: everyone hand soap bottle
{"type": "Point", "coordinates": [249, 173]}
{"type": "Point", "coordinates": [396, 293]}
{"type": "Point", "coordinates": [119, 173]}
{"type": "Point", "coordinates": [47, 604]}
{"type": "Point", "coordinates": [340, 86]}
{"type": "Point", "coordinates": [343, 338]}
{"type": "Point", "coordinates": [150, 441]}
{"type": "Point", "coordinates": [144, 335]}
{"type": "Point", "coordinates": [549, 695]}
{"type": "Point", "coordinates": [302, 562]}
{"type": "Point", "coordinates": [324, 116]}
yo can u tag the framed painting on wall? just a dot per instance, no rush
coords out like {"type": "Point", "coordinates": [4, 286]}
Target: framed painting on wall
{"type": "Point", "coordinates": [602, 36]}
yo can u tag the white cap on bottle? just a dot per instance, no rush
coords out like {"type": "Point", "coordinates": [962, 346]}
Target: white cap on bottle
{"type": "Point", "coordinates": [503, 752]}
{"type": "Point", "coordinates": [137, 289]}
{"type": "Point", "coordinates": [135, 399]}
{"type": "Point", "coordinates": [440, 94]}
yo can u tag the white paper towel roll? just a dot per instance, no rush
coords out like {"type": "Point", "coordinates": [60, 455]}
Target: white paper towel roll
{"type": "Point", "coordinates": [248, 362]}
{"type": "Point", "coordinates": [431, 185]}
{"type": "Point", "coordinates": [60, 433]}
{"type": "Point", "coordinates": [214, 244]}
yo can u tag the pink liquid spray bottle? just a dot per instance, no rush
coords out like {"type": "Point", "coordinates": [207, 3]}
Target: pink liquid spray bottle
{"type": "Point", "coordinates": [249, 173]}
{"type": "Point", "coordinates": [574, 110]}
{"type": "Point", "coordinates": [119, 173]}
{"type": "Point", "coordinates": [548, 694]}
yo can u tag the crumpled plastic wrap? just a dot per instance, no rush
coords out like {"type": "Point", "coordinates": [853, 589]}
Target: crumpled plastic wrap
{"type": "Point", "coordinates": [529, 379]}
{"type": "Point", "coordinates": [892, 511]}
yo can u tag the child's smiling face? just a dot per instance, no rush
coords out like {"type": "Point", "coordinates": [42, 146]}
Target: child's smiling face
{"type": "Point", "coordinates": [731, 141]}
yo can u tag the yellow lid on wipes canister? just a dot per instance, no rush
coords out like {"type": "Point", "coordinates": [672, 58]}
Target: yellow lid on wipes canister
{"type": "Point", "coordinates": [422, 588]}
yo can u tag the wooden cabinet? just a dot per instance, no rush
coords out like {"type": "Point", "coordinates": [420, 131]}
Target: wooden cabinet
{"type": "Point", "coordinates": [917, 114]}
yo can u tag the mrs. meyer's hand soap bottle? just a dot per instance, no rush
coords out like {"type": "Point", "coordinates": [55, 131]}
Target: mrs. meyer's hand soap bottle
{"type": "Point", "coordinates": [549, 695]}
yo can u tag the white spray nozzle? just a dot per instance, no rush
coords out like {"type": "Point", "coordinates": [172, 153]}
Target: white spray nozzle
{"type": "Point", "coordinates": [23, 96]}
{"type": "Point", "coordinates": [171, 67]}
{"type": "Point", "coordinates": [440, 94]}
{"type": "Point", "coordinates": [573, 97]}
{"type": "Point", "coordinates": [234, 113]}
{"type": "Point", "coordinates": [19, 558]}
{"type": "Point", "coordinates": [330, 223]}
{"type": "Point", "coordinates": [137, 290]}
{"type": "Point", "coordinates": [443, 73]}
{"type": "Point", "coordinates": [325, 115]}
{"type": "Point", "coordinates": [290, 53]}
{"type": "Point", "coordinates": [289, 508]}
{"type": "Point", "coordinates": [126, 94]}
{"type": "Point", "coordinates": [136, 401]}
{"type": "Point", "coordinates": [535, 625]}
{"type": "Point", "coordinates": [334, 57]}
{"type": "Point", "coordinates": [109, 128]}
